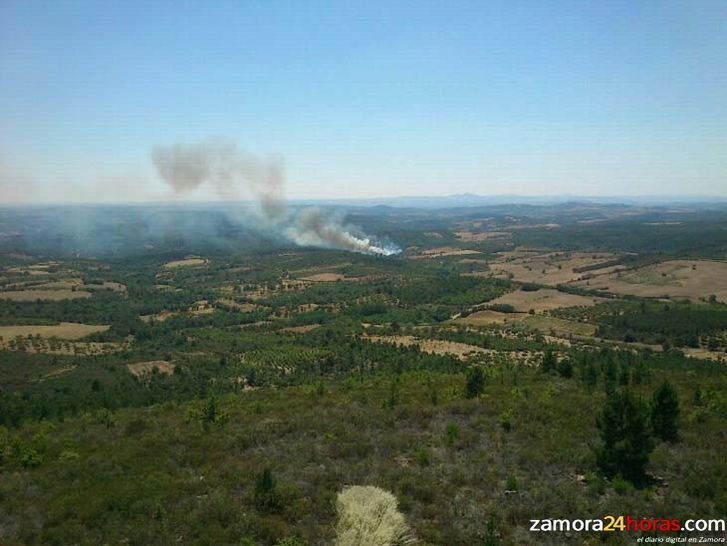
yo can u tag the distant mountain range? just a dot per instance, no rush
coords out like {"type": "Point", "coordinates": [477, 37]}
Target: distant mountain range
{"type": "Point", "coordinates": [474, 200]}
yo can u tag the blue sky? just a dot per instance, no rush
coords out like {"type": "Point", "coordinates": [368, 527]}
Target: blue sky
{"type": "Point", "coordinates": [368, 99]}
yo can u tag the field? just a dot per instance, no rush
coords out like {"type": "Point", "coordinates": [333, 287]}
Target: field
{"type": "Point", "coordinates": [543, 300]}
{"type": "Point", "coordinates": [51, 295]}
{"type": "Point", "coordinates": [433, 346]}
{"type": "Point", "coordinates": [689, 279]}
{"type": "Point", "coordinates": [186, 262]}
{"type": "Point", "coordinates": [64, 330]}
{"type": "Point", "coordinates": [551, 268]}
{"type": "Point", "coordinates": [223, 391]}
{"type": "Point", "coordinates": [141, 369]}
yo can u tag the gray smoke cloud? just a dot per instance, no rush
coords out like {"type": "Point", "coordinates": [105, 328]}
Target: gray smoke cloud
{"type": "Point", "coordinates": [234, 174]}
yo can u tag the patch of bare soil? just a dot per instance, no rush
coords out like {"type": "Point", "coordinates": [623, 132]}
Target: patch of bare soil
{"type": "Point", "coordinates": [243, 307]}
{"type": "Point", "coordinates": [301, 329]}
{"type": "Point", "coordinates": [191, 261]}
{"type": "Point", "coordinates": [141, 369]}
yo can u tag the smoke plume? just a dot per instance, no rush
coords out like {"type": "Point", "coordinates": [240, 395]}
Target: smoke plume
{"type": "Point", "coordinates": [234, 174]}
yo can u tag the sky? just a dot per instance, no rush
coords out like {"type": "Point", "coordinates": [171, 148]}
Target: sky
{"type": "Point", "coordinates": [362, 99]}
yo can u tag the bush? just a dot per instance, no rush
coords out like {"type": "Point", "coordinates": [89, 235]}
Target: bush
{"type": "Point", "coordinates": [369, 515]}
{"type": "Point", "coordinates": [505, 420]}
{"type": "Point", "coordinates": [267, 499]}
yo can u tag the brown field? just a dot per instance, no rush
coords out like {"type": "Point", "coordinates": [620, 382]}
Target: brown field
{"type": "Point", "coordinates": [673, 278]}
{"type": "Point", "coordinates": [487, 317]}
{"type": "Point", "coordinates": [244, 307]}
{"type": "Point", "coordinates": [544, 300]}
{"type": "Point", "coordinates": [140, 369]}
{"type": "Point", "coordinates": [324, 277]}
{"type": "Point", "coordinates": [474, 237]}
{"type": "Point", "coordinates": [705, 354]}
{"type": "Point", "coordinates": [202, 307]}
{"type": "Point", "coordinates": [433, 346]}
{"type": "Point", "coordinates": [301, 329]}
{"type": "Point", "coordinates": [58, 347]}
{"type": "Point", "coordinates": [52, 295]}
{"type": "Point", "coordinates": [65, 284]}
{"type": "Point", "coordinates": [59, 371]}
{"type": "Point", "coordinates": [64, 330]}
{"type": "Point", "coordinates": [158, 317]}
{"type": "Point", "coordinates": [550, 268]}
{"type": "Point", "coordinates": [262, 291]}
{"type": "Point", "coordinates": [186, 262]}
{"type": "Point", "coordinates": [33, 270]}
{"type": "Point", "coordinates": [557, 326]}
{"type": "Point", "coordinates": [107, 285]}
{"type": "Point", "coordinates": [443, 251]}
{"type": "Point", "coordinates": [164, 287]}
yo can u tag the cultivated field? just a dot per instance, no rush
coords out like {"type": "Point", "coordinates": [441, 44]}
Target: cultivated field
{"type": "Point", "coordinates": [543, 300]}
{"type": "Point", "coordinates": [691, 279]}
{"type": "Point", "coordinates": [488, 317]}
{"type": "Point", "coordinates": [474, 237]}
{"type": "Point", "coordinates": [186, 262]}
{"type": "Point", "coordinates": [444, 251]}
{"type": "Point", "coordinates": [64, 330]}
{"type": "Point", "coordinates": [550, 268]}
{"type": "Point", "coordinates": [50, 295]}
{"type": "Point", "coordinates": [433, 346]}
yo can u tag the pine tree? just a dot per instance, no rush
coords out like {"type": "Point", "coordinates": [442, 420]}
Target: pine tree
{"type": "Point", "coordinates": [475, 383]}
{"type": "Point", "coordinates": [624, 428]}
{"type": "Point", "coordinates": [665, 413]}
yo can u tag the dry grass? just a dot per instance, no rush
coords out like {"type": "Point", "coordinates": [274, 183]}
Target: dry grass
{"type": "Point", "coordinates": [443, 251]}
{"type": "Point", "coordinates": [474, 237]}
{"type": "Point", "coordinates": [301, 329]}
{"type": "Point", "coordinates": [141, 369]}
{"type": "Point", "coordinates": [673, 278]}
{"type": "Point", "coordinates": [544, 300]}
{"type": "Point", "coordinates": [202, 307]}
{"type": "Point", "coordinates": [705, 354]}
{"type": "Point", "coordinates": [369, 515]}
{"type": "Point", "coordinates": [59, 371]}
{"type": "Point", "coordinates": [51, 295]}
{"type": "Point", "coordinates": [550, 268]}
{"type": "Point", "coordinates": [324, 277]}
{"type": "Point", "coordinates": [487, 317]}
{"type": "Point", "coordinates": [557, 326]}
{"type": "Point", "coordinates": [433, 346]}
{"type": "Point", "coordinates": [186, 262]}
{"type": "Point", "coordinates": [158, 317]}
{"type": "Point", "coordinates": [64, 330]}
{"type": "Point", "coordinates": [243, 307]}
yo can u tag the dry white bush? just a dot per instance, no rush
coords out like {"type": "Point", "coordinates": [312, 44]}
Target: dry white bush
{"type": "Point", "coordinates": [369, 516]}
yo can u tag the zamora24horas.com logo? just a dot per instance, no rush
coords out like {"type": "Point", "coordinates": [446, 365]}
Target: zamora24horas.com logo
{"type": "Point", "coordinates": [661, 528]}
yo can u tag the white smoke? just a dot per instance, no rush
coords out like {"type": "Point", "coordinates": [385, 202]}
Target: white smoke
{"type": "Point", "coordinates": [234, 174]}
